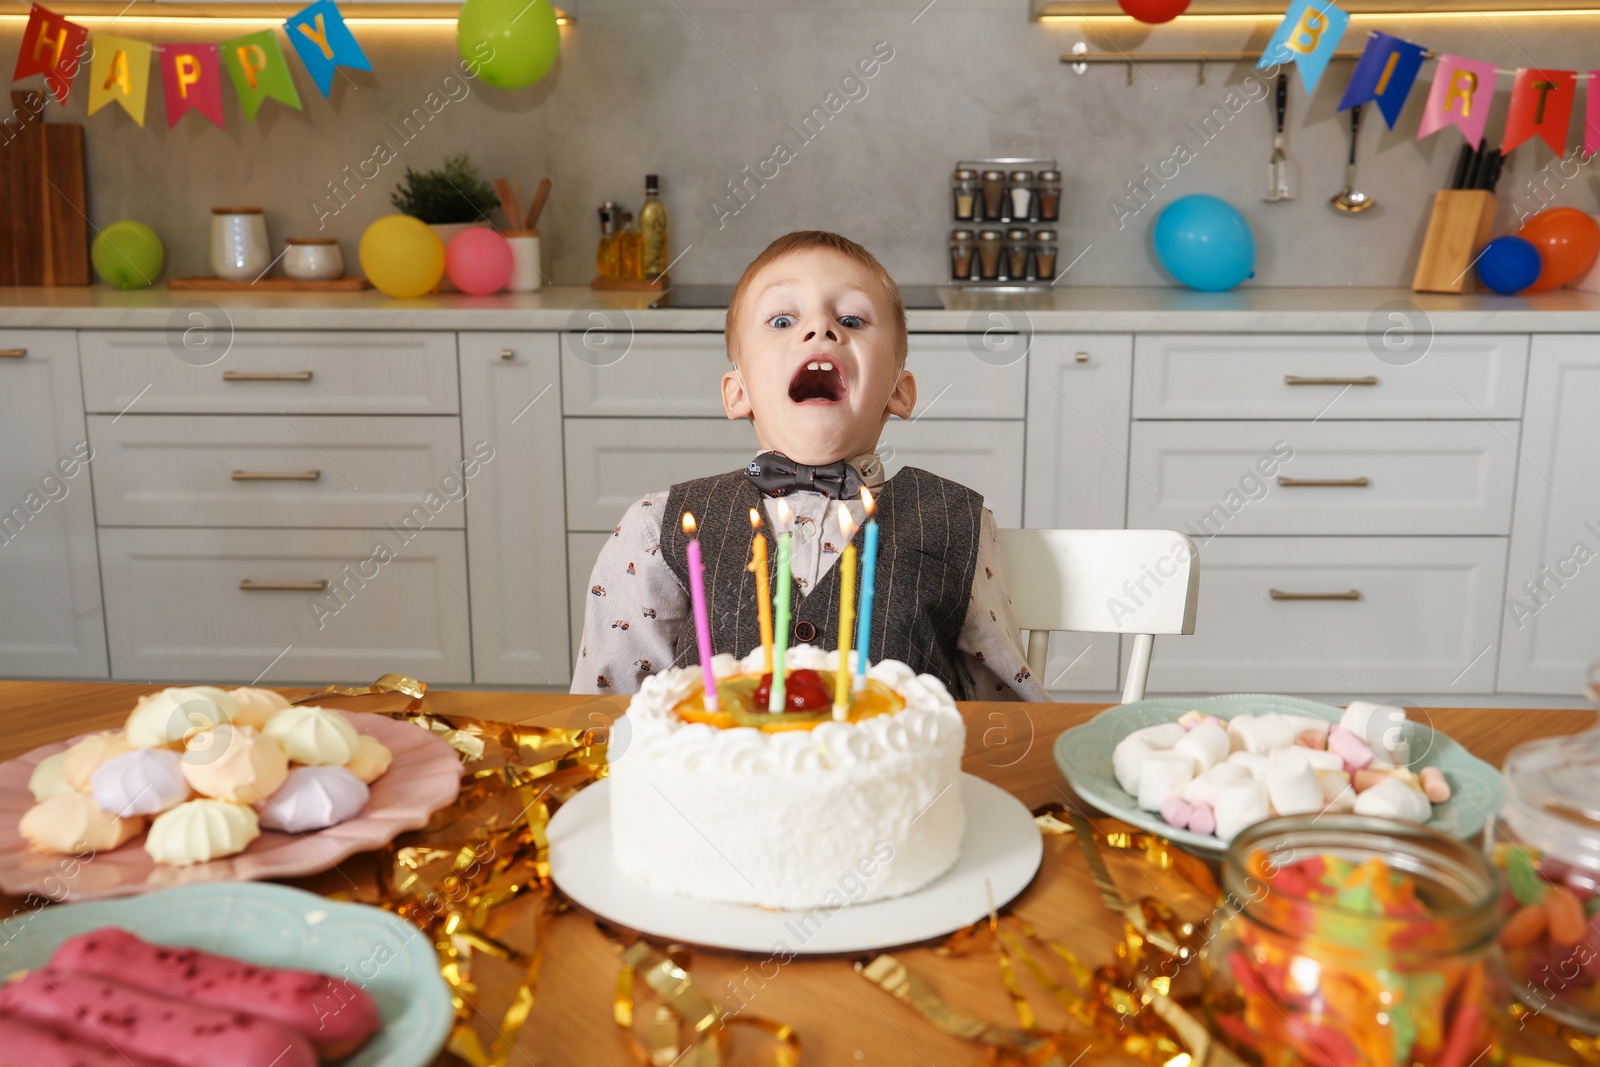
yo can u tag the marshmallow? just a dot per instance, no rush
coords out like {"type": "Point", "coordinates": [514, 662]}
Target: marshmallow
{"type": "Point", "coordinates": [1304, 725]}
{"type": "Point", "coordinates": [1239, 806]}
{"type": "Point", "coordinates": [1162, 735]}
{"type": "Point", "coordinates": [1262, 733]}
{"type": "Point", "coordinates": [1292, 786]}
{"type": "Point", "coordinates": [1203, 789]}
{"type": "Point", "coordinates": [1190, 719]}
{"type": "Point", "coordinates": [1394, 799]}
{"type": "Point", "coordinates": [1161, 775]}
{"type": "Point", "coordinates": [1435, 785]}
{"type": "Point", "coordinates": [1366, 778]}
{"type": "Point", "coordinates": [1254, 762]}
{"type": "Point", "coordinates": [1337, 795]}
{"type": "Point", "coordinates": [1382, 727]}
{"type": "Point", "coordinates": [1202, 820]}
{"type": "Point", "coordinates": [1125, 760]}
{"type": "Point", "coordinates": [1354, 751]}
{"type": "Point", "coordinates": [1176, 813]}
{"type": "Point", "coordinates": [1206, 744]}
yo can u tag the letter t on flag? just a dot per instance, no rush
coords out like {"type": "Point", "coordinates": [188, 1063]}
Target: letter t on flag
{"type": "Point", "coordinates": [1387, 70]}
{"type": "Point", "coordinates": [51, 46]}
{"type": "Point", "coordinates": [1541, 103]}
{"type": "Point", "coordinates": [325, 43]}
{"type": "Point", "coordinates": [1308, 35]}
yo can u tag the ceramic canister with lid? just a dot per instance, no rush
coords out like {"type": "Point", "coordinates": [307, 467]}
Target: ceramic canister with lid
{"type": "Point", "coordinates": [311, 259]}
{"type": "Point", "coordinates": [239, 249]}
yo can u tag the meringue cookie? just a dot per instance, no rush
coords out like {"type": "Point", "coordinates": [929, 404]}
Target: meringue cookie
{"type": "Point", "coordinates": [314, 798]}
{"type": "Point", "coordinates": [85, 757]}
{"type": "Point", "coordinates": [165, 719]}
{"type": "Point", "coordinates": [371, 759]}
{"type": "Point", "coordinates": [314, 735]}
{"type": "Point", "coordinates": [146, 781]}
{"type": "Point", "coordinates": [49, 778]}
{"type": "Point", "coordinates": [73, 823]}
{"type": "Point", "coordinates": [256, 706]}
{"type": "Point", "coordinates": [201, 830]}
{"type": "Point", "coordinates": [234, 763]}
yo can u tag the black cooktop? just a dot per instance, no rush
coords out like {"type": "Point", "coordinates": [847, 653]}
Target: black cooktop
{"type": "Point", "coordinates": [916, 297]}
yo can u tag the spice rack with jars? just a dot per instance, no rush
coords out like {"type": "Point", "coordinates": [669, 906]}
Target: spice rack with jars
{"type": "Point", "coordinates": [1003, 209]}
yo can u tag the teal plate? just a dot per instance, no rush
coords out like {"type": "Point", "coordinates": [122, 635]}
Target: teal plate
{"type": "Point", "coordinates": [1084, 755]}
{"type": "Point", "coordinates": [279, 927]}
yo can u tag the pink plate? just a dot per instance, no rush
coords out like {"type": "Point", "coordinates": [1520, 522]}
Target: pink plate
{"type": "Point", "coordinates": [425, 775]}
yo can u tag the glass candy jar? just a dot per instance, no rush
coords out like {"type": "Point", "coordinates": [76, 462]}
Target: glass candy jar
{"type": "Point", "coordinates": [1546, 841]}
{"type": "Point", "coordinates": [1357, 942]}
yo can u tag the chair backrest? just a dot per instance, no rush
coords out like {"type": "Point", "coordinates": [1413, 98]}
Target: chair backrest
{"type": "Point", "coordinates": [1143, 582]}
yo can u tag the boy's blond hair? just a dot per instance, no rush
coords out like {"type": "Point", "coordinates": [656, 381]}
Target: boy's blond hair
{"type": "Point", "coordinates": [804, 240]}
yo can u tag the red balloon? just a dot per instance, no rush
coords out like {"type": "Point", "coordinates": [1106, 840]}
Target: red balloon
{"type": "Point", "coordinates": [1568, 242]}
{"type": "Point", "coordinates": [1154, 11]}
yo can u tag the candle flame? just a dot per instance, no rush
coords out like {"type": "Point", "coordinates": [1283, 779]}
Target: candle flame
{"type": "Point", "coordinates": [688, 523]}
{"type": "Point", "coordinates": [847, 523]}
{"type": "Point", "coordinates": [755, 519]}
{"type": "Point", "coordinates": [867, 501]}
{"type": "Point", "coordinates": [784, 514]}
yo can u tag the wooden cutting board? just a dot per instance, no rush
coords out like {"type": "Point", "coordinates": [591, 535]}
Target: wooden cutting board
{"type": "Point", "coordinates": [44, 237]}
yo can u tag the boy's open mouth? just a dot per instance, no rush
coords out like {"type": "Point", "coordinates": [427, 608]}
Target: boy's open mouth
{"type": "Point", "coordinates": [819, 381]}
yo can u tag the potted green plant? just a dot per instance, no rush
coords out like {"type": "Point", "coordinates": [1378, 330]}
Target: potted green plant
{"type": "Point", "coordinates": [450, 199]}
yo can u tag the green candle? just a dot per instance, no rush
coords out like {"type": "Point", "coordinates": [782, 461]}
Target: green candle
{"type": "Point", "coordinates": [780, 624]}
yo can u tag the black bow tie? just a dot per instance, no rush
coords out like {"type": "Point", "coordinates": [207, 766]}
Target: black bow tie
{"type": "Point", "coordinates": [775, 474]}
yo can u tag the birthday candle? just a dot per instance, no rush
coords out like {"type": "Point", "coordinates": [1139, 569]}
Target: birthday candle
{"type": "Point", "coordinates": [780, 637]}
{"type": "Point", "coordinates": [702, 618]}
{"type": "Point", "coordinates": [758, 564]}
{"type": "Point", "coordinates": [847, 613]}
{"type": "Point", "coordinates": [869, 574]}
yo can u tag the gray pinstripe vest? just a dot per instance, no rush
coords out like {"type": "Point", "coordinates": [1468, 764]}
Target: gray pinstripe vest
{"type": "Point", "coordinates": [927, 552]}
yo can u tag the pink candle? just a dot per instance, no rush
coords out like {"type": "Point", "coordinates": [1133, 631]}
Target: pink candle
{"type": "Point", "coordinates": [702, 617]}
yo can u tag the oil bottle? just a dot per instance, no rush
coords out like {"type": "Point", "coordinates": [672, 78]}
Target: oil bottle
{"type": "Point", "coordinates": [607, 263]}
{"type": "Point", "coordinates": [653, 228]}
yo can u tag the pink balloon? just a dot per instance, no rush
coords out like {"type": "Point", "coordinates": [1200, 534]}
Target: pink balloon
{"type": "Point", "coordinates": [479, 261]}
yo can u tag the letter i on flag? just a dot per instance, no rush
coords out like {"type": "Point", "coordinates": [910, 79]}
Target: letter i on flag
{"type": "Point", "coordinates": [191, 77]}
{"type": "Point", "coordinates": [120, 71]}
{"type": "Point", "coordinates": [1462, 91]}
{"type": "Point", "coordinates": [1308, 36]}
{"type": "Point", "coordinates": [324, 42]}
{"type": "Point", "coordinates": [51, 46]}
{"type": "Point", "coordinates": [259, 70]}
{"type": "Point", "coordinates": [1386, 71]}
{"type": "Point", "coordinates": [1541, 103]}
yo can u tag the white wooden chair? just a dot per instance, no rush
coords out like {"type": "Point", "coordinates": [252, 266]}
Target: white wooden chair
{"type": "Point", "coordinates": [1140, 582]}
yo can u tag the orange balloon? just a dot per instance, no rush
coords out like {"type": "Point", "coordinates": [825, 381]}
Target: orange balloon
{"type": "Point", "coordinates": [1568, 242]}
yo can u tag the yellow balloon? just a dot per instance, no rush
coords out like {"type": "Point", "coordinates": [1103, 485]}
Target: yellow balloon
{"type": "Point", "coordinates": [402, 256]}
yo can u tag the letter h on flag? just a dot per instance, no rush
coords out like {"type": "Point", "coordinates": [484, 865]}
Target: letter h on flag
{"type": "Point", "coordinates": [1308, 36]}
{"type": "Point", "coordinates": [51, 46]}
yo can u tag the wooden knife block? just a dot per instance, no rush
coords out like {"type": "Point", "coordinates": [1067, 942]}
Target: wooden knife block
{"type": "Point", "coordinates": [1458, 229]}
{"type": "Point", "coordinates": [44, 201]}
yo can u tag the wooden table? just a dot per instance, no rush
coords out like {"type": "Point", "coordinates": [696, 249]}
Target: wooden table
{"type": "Point", "coordinates": [841, 1018]}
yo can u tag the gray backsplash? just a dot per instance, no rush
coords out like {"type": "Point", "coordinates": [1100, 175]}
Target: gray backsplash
{"type": "Point", "coordinates": [699, 91]}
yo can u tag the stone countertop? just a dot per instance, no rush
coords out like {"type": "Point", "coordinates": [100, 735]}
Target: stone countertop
{"type": "Point", "coordinates": [1075, 309]}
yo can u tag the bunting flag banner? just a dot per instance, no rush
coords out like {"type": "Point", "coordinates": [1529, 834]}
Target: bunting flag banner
{"type": "Point", "coordinates": [51, 46]}
{"type": "Point", "coordinates": [1591, 115]}
{"type": "Point", "coordinates": [119, 70]}
{"type": "Point", "coordinates": [1386, 71]}
{"type": "Point", "coordinates": [1308, 36]}
{"type": "Point", "coordinates": [325, 43]}
{"type": "Point", "coordinates": [1541, 103]}
{"type": "Point", "coordinates": [1463, 90]}
{"type": "Point", "coordinates": [259, 70]}
{"type": "Point", "coordinates": [191, 77]}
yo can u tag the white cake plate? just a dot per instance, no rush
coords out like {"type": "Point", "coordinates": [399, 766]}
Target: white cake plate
{"type": "Point", "coordinates": [1001, 853]}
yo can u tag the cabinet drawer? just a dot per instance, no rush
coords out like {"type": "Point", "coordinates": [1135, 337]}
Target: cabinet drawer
{"type": "Point", "coordinates": [1231, 478]}
{"type": "Point", "coordinates": [679, 375]}
{"type": "Point", "coordinates": [1426, 620]}
{"type": "Point", "coordinates": [613, 462]}
{"type": "Point", "coordinates": [400, 607]}
{"type": "Point", "coordinates": [197, 368]}
{"type": "Point", "coordinates": [1300, 376]}
{"type": "Point", "coordinates": [220, 470]}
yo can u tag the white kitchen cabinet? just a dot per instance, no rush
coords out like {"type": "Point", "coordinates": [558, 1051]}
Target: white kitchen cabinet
{"type": "Point", "coordinates": [1550, 620]}
{"type": "Point", "coordinates": [52, 625]}
{"type": "Point", "coordinates": [516, 524]}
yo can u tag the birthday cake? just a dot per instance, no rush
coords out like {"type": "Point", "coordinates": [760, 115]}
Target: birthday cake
{"type": "Point", "coordinates": [794, 808]}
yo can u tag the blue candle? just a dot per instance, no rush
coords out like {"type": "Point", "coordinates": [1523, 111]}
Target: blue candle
{"type": "Point", "coordinates": [869, 573]}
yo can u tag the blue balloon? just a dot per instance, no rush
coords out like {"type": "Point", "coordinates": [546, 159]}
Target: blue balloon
{"type": "Point", "coordinates": [1205, 243]}
{"type": "Point", "coordinates": [1509, 264]}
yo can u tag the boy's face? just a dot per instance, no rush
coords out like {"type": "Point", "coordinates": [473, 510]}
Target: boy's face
{"type": "Point", "coordinates": [816, 371]}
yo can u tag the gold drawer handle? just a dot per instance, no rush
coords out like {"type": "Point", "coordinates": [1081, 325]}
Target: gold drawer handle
{"type": "Point", "coordinates": [1349, 594]}
{"type": "Point", "coordinates": [250, 586]}
{"type": "Point", "coordinates": [13, 353]}
{"type": "Point", "coordinates": [1324, 483]}
{"type": "Point", "coordinates": [1295, 379]}
{"type": "Point", "coordinates": [276, 476]}
{"type": "Point", "coordinates": [266, 376]}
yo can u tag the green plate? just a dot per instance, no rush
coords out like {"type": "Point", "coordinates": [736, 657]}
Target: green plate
{"type": "Point", "coordinates": [279, 927]}
{"type": "Point", "coordinates": [1084, 755]}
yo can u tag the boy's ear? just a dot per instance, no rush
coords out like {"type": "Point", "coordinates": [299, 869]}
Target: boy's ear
{"type": "Point", "coordinates": [735, 400]}
{"type": "Point", "coordinates": [903, 398]}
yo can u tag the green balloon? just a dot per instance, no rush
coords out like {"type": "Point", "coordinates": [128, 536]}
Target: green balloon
{"type": "Point", "coordinates": [127, 254]}
{"type": "Point", "coordinates": [512, 43]}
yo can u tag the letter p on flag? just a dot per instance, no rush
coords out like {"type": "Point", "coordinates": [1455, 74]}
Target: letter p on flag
{"type": "Point", "coordinates": [1308, 36]}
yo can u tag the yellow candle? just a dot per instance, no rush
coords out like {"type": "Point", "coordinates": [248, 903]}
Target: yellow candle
{"type": "Point", "coordinates": [847, 613]}
{"type": "Point", "coordinates": [758, 564]}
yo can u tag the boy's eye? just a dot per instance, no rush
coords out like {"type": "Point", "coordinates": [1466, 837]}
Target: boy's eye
{"type": "Point", "coordinates": [781, 322]}
{"type": "Point", "coordinates": [852, 322]}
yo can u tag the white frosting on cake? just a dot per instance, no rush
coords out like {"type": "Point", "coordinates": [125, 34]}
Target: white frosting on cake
{"type": "Point", "coordinates": [840, 813]}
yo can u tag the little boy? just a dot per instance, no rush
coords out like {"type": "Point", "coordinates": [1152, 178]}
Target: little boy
{"type": "Point", "coordinates": [816, 332]}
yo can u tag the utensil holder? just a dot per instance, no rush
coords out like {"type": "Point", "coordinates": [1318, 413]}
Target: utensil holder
{"type": "Point", "coordinates": [1458, 229]}
{"type": "Point", "coordinates": [525, 276]}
